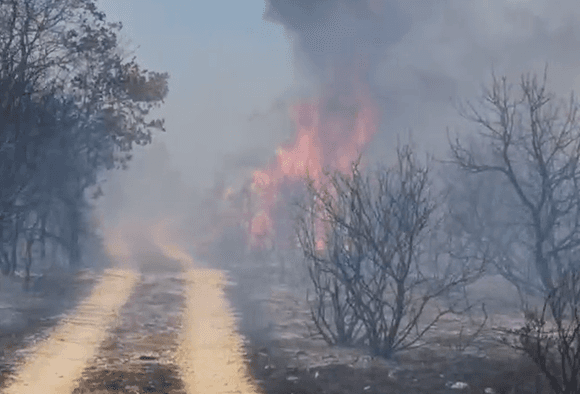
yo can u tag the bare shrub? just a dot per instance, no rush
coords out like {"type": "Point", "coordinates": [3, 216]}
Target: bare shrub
{"type": "Point", "coordinates": [551, 338]}
{"type": "Point", "coordinates": [364, 242]}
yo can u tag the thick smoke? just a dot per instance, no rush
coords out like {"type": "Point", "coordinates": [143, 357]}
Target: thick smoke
{"type": "Point", "coordinates": [340, 35]}
{"type": "Point", "coordinates": [420, 57]}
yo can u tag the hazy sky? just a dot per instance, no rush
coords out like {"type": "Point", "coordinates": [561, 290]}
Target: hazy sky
{"type": "Point", "coordinates": [225, 63]}
{"type": "Point", "coordinates": [233, 74]}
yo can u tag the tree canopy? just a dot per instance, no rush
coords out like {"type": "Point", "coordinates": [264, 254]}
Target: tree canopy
{"type": "Point", "coordinates": [71, 106]}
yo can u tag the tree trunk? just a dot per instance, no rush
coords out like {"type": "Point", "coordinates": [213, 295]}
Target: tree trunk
{"type": "Point", "coordinates": [43, 237]}
{"type": "Point", "coordinates": [14, 257]}
{"type": "Point", "coordinates": [26, 283]}
{"type": "Point", "coordinates": [74, 247]}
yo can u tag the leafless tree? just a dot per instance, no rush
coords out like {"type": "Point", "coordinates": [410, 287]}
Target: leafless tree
{"type": "Point", "coordinates": [364, 240]}
{"type": "Point", "coordinates": [534, 144]}
{"type": "Point", "coordinates": [484, 220]}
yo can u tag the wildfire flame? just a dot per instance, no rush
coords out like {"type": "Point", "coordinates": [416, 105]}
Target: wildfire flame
{"type": "Point", "coordinates": [330, 134]}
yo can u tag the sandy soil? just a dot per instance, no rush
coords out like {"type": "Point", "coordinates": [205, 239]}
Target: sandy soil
{"type": "Point", "coordinates": [27, 317]}
{"type": "Point", "coordinates": [138, 354]}
{"type": "Point", "coordinates": [210, 354]}
{"type": "Point", "coordinates": [55, 363]}
{"type": "Point", "coordinates": [161, 325]}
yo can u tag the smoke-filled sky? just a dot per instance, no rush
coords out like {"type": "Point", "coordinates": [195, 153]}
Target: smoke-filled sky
{"type": "Point", "coordinates": [238, 67]}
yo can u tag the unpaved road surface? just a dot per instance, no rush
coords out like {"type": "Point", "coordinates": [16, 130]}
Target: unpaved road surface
{"type": "Point", "coordinates": [172, 331]}
{"type": "Point", "coordinates": [55, 363]}
{"type": "Point", "coordinates": [144, 330]}
{"type": "Point", "coordinates": [164, 325]}
{"type": "Point", "coordinates": [137, 355]}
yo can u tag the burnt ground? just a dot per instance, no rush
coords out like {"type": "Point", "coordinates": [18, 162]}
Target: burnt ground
{"type": "Point", "coordinates": [433, 374]}
{"type": "Point", "coordinates": [284, 358]}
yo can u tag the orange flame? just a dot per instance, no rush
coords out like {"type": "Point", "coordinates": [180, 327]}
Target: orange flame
{"type": "Point", "coordinates": [330, 134]}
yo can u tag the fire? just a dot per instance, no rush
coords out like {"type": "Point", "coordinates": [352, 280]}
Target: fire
{"type": "Point", "coordinates": [330, 134]}
{"type": "Point", "coordinates": [261, 224]}
{"type": "Point", "coordinates": [305, 154]}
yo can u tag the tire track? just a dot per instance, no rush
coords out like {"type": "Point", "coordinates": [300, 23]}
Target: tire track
{"type": "Point", "coordinates": [54, 364]}
{"type": "Point", "coordinates": [211, 354]}
{"type": "Point", "coordinates": [138, 355]}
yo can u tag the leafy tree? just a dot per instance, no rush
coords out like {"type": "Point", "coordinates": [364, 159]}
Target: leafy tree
{"type": "Point", "coordinates": [70, 107]}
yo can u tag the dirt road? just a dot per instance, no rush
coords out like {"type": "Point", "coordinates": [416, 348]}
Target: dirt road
{"type": "Point", "coordinates": [141, 330]}
{"type": "Point", "coordinates": [53, 365]}
{"type": "Point", "coordinates": [160, 323]}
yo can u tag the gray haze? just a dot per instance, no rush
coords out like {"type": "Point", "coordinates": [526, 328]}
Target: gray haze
{"type": "Point", "coordinates": [419, 58]}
